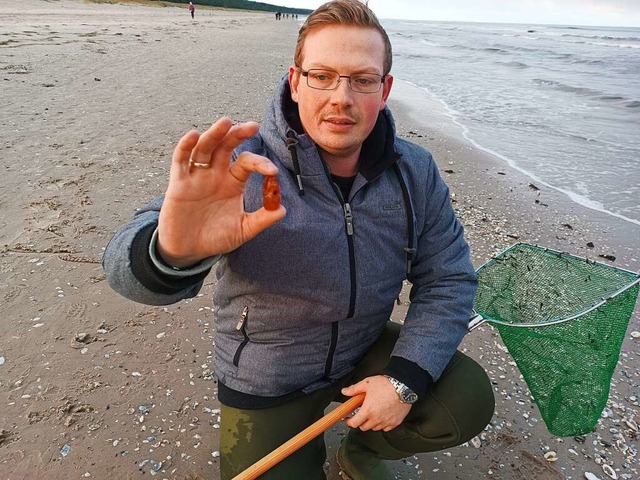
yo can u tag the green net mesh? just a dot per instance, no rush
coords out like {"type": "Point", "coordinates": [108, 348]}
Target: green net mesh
{"type": "Point", "coordinates": [568, 366]}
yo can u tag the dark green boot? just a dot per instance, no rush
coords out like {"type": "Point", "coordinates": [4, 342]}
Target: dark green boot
{"type": "Point", "coordinates": [359, 462]}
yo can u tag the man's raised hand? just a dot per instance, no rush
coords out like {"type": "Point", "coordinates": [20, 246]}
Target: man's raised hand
{"type": "Point", "coordinates": [203, 212]}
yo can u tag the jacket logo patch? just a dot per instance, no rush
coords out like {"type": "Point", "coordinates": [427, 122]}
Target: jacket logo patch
{"type": "Point", "coordinates": [392, 206]}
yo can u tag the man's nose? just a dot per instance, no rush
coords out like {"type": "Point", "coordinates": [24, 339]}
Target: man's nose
{"type": "Point", "coordinates": [342, 93]}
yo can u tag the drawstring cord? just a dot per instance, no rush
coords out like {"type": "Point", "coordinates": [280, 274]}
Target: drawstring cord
{"type": "Point", "coordinates": [410, 227]}
{"type": "Point", "coordinates": [292, 142]}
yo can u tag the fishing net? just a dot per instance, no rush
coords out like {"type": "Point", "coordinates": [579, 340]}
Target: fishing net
{"type": "Point", "coordinates": [563, 320]}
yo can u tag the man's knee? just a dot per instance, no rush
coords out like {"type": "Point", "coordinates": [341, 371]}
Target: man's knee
{"type": "Point", "coordinates": [456, 409]}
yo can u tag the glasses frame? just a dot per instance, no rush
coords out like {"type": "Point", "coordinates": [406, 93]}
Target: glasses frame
{"type": "Point", "coordinates": [305, 73]}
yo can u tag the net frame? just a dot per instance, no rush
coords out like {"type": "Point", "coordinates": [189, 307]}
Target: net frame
{"type": "Point", "coordinates": [479, 318]}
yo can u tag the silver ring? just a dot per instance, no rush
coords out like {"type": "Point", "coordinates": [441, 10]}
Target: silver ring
{"type": "Point", "coordinates": [199, 165]}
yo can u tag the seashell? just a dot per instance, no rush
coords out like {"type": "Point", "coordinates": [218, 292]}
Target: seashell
{"type": "Point", "coordinates": [632, 425]}
{"type": "Point", "coordinates": [476, 442]}
{"type": "Point", "coordinates": [551, 456]}
{"type": "Point", "coordinates": [591, 476]}
{"type": "Point", "coordinates": [635, 334]}
{"type": "Point", "coordinates": [610, 471]}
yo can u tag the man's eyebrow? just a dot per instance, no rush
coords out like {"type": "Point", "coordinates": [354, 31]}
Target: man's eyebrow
{"type": "Point", "coordinates": [355, 71]}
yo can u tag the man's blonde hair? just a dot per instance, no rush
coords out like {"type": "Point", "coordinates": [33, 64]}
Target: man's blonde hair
{"type": "Point", "coordinates": [343, 12]}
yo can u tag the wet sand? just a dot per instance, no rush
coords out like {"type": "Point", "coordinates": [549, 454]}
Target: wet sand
{"type": "Point", "coordinates": [94, 97]}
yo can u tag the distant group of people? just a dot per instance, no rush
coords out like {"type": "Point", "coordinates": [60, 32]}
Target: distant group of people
{"type": "Point", "coordinates": [286, 15]}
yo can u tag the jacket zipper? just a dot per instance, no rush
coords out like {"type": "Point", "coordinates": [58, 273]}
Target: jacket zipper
{"type": "Point", "coordinates": [348, 218]}
{"type": "Point", "coordinates": [241, 327]}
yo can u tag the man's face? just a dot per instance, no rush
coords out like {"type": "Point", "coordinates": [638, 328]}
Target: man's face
{"type": "Point", "coordinates": [340, 120]}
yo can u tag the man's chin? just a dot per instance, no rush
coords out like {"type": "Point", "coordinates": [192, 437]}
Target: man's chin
{"type": "Point", "coordinates": [337, 150]}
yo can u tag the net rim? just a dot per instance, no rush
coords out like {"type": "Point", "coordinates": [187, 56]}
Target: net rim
{"type": "Point", "coordinates": [478, 319]}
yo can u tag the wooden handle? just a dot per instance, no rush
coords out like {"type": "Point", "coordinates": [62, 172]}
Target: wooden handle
{"type": "Point", "coordinates": [301, 439]}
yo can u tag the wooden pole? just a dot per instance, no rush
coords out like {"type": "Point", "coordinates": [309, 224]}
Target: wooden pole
{"type": "Point", "coordinates": [301, 439]}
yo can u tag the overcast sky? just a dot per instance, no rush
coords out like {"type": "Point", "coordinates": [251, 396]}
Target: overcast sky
{"type": "Point", "coordinates": [568, 12]}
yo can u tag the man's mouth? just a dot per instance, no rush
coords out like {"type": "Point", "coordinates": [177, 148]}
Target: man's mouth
{"type": "Point", "coordinates": [340, 121]}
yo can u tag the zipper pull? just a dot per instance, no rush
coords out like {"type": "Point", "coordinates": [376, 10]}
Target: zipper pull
{"type": "Point", "coordinates": [348, 218]}
{"type": "Point", "coordinates": [243, 318]}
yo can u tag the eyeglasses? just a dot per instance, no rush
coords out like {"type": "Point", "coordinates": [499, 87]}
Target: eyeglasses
{"type": "Point", "coordinates": [329, 80]}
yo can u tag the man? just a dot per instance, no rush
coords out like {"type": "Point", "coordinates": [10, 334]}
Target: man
{"type": "Point", "coordinates": [192, 9]}
{"type": "Point", "coordinates": [305, 291]}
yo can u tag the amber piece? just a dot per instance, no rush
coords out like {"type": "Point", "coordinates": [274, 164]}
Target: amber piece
{"type": "Point", "coordinates": [270, 193]}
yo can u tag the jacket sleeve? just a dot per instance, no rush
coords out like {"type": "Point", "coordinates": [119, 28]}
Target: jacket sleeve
{"type": "Point", "coordinates": [443, 280]}
{"type": "Point", "coordinates": [131, 272]}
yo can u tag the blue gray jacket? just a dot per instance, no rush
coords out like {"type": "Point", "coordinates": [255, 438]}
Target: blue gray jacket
{"type": "Point", "coordinates": [296, 307]}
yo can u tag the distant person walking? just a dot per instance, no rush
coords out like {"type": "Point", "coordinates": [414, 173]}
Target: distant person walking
{"type": "Point", "coordinates": [192, 9]}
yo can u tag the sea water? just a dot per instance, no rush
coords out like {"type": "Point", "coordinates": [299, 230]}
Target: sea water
{"type": "Point", "coordinates": [559, 103]}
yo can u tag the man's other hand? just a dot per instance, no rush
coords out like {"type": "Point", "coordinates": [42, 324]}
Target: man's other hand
{"type": "Point", "coordinates": [382, 408]}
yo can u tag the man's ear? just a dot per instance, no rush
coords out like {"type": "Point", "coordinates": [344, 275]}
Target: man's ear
{"type": "Point", "coordinates": [294, 80]}
{"type": "Point", "coordinates": [386, 90]}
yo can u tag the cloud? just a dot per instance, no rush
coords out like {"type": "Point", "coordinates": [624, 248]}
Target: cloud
{"type": "Point", "coordinates": [590, 12]}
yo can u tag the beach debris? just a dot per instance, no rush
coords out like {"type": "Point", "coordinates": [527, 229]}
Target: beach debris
{"type": "Point", "coordinates": [591, 476]}
{"type": "Point", "coordinates": [533, 187]}
{"type": "Point", "coordinates": [609, 257]}
{"type": "Point", "coordinates": [631, 423]}
{"type": "Point", "coordinates": [610, 471]}
{"type": "Point", "coordinates": [2, 360]}
{"type": "Point", "coordinates": [64, 451]}
{"type": "Point", "coordinates": [590, 244]}
{"type": "Point", "coordinates": [4, 436]}
{"type": "Point", "coordinates": [82, 337]}
{"type": "Point", "coordinates": [449, 171]}
{"type": "Point", "coordinates": [551, 456]}
{"type": "Point", "coordinates": [97, 79]}
{"type": "Point", "coordinates": [567, 225]}
{"type": "Point", "coordinates": [502, 173]}
{"type": "Point", "coordinates": [476, 442]}
{"type": "Point", "coordinates": [634, 334]}
{"type": "Point", "coordinates": [155, 467]}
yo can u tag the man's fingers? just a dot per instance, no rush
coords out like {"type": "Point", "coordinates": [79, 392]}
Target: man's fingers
{"type": "Point", "coordinates": [238, 134]}
{"type": "Point", "coordinates": [222, 138]}
{"type": "Point", "coordinates": [182, 152]}
{"type": "Point", "coordinates": [248, 163]}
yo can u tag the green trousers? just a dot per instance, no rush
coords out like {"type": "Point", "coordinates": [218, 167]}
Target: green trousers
{"type": "Point", "coordinates": [457, 407]}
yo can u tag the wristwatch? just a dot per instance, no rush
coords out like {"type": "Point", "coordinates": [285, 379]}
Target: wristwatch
{"type": "Point", "coordinates": [405, 393]}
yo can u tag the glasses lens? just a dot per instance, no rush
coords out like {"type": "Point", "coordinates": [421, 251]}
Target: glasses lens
{"type": "Point", "coordinates": [365, 82]}
{"type": "Point", "coordinates": [322, 79]}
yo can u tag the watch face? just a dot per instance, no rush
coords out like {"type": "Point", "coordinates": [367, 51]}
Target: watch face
{"type": "Point", "coordinates": [406, 394]}
{"type": "Point", "coordinates": [410, 397]}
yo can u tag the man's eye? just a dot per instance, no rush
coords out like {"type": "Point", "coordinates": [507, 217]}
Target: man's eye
{"type": "Point", "coordinates": [363, 80]}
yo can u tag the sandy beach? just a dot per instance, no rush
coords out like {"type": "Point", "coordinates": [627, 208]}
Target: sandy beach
{"type": "Point", "coordinates": [94, 98]}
